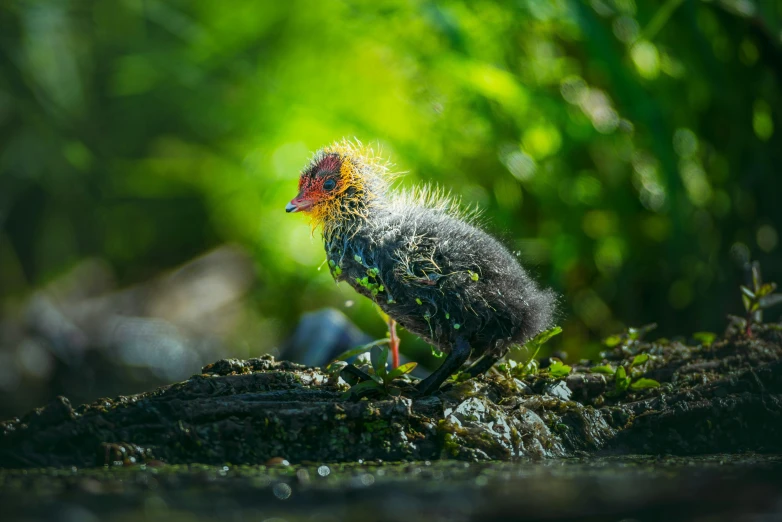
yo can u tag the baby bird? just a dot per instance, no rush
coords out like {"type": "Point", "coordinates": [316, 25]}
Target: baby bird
{"type": "Point", "coordinates": [425, 263]}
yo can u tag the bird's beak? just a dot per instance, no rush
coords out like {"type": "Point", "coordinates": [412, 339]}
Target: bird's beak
{"type": "Point", "coordinates": [298, 204]}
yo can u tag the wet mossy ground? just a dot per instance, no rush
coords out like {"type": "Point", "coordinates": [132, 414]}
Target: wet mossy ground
{"type": "Point", "coordinates": [722, 397]}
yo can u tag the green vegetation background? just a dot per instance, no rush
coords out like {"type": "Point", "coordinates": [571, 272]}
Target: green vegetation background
{"type": "Point", "coordinates": [628, 150]}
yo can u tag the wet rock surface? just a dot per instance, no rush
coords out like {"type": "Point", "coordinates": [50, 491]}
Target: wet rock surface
{"type": "Point", "coordinates": [724, 397]}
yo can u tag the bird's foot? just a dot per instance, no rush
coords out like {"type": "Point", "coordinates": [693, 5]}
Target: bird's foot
{"type": "Point", "coordinates": [460, 352]}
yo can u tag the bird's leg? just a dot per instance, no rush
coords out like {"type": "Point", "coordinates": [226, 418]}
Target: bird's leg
{"type": "Point", "coordinates": [394, 343]}
{"type": "Point", "coordinates": [460, 352]}
{"type": "Point", "coordinates": [482, 366]}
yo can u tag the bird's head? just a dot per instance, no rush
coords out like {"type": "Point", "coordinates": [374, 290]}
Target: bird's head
{"type": "Point", "coordinates": [341, 181]}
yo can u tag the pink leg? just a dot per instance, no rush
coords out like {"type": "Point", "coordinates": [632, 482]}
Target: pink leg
{"type": "Point", "coordinates": [394, 344]}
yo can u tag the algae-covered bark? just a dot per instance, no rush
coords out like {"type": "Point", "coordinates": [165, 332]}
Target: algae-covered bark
{"type": "Point", "coordinates": [723, 397]}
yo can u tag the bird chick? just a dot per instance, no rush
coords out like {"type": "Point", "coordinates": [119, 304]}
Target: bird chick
{"type": "Point", "coordinates": [425, 263]}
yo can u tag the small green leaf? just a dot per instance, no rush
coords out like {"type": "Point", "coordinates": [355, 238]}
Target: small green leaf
{"type": "Point", "coordinates": [473, 275]}
{"type": "Point", "coordinates": [531, 368]}
{"type": "Point", "coordinates": [705, 338]}
{"type": "Point", "coordinates": [401, 370]}
{"type": "Point", "coordinates": [344, 356]}
{"type": "Point", "coordinates": [747, 292]}
{"type": "Point", "coordinates": [335, 367]}
{"type": "Point", "coordinates": [636, 334]}
{"type": "Point", "coordinates": [457, 326]}
{"type": "Point", "coordinates": [417, 300]}
{"type": "Point", "coordinates": [639, 359]}
{"type": "Point", "coordinates": [747, 302]}
{"type": "Point", "coordinates": [766, 289]}
{"type": "Point", "coordinates": [621, 380]}
{"type": "Point", "coordinates": [756, 277]}
{"type": "Point", "coordinates": [605, 369]}
{"type": "Point", "coordinates": [612, 340]}
{"type": "Point", "coordinates": [644, 384]}
{"type": "Point", "coordinates": [379, 357]}
{"type": "Point", "coordinates": [542, 338]}
{"type": "Point", "coordinates": [358, 258]}
{"type": "Point", "coordinates": [361, 388]}
{"type": "Point", "coordinates": [437, 353]}
{"type": "Point", "coordinates": [338, 270]}
{"type": "Point", "coordinates": [533, 346]}
{"type": "Point", "coordinates": [459, 377]}
{"type": "Point", "coordinates": [558, 369]}
{"type": "Point", "coordinates": [447, 315]}
{"type": "Point", "coordinates": [332, 264]}
{"type": "Point", "coordinates": [770, 300]}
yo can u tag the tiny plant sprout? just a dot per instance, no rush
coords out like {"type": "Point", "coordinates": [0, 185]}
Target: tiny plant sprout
{"type": "Point", "coordinates": [380, 381]}
{"type": "Point", "coordinates": [705, 338]}
{"type": "Point", "coordinates": [643, 384]}
{"type": "Point", "coordinates": [533, 347]}
{"type": "Point", "coordinates": [558, 369]}
{"type": "Point", "coordinates": [605, 369]}
{"type": "Point", "coordinates": [757, 298]}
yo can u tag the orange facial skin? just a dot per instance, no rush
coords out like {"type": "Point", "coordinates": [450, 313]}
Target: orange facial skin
{"type": "Point", "coordinates": [340, 183]}
{"type": "Point", "coordinates": [319, 183]}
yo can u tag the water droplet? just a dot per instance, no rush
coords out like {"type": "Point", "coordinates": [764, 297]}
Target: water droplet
{"type": "Point", "coordinates": [282, 491]}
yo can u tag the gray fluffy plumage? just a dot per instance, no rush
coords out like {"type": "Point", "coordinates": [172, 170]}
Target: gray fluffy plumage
{"type": "Point", "coordinates": [442, 277]}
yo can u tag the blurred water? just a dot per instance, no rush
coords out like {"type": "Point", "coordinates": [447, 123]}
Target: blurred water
{"type": "Point", "coordinates": [713, 488]}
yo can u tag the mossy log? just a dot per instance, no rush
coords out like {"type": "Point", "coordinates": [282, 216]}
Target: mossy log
{"type": "Point", "coordinates": [725, 397]}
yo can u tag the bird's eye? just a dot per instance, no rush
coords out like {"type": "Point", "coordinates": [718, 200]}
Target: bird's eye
{"type": "Point", "coordinates": [329, 184]}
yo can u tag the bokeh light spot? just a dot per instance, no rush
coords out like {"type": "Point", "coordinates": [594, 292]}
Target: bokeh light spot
{"type": "Point", "coordinates": [646, 59]}
{"type": "Point", "coordinates": [685, 143]}
{"type": "Point", "coordinates": [591, 308]}
{"type": "Point", "coordinates": [696, 183]}
{"type": "Point", "coordinates": [762, 123]}
{"type": "Point", "coordinates": [599, 223]}
{"type": "Point", "coordinates": [625, 29]}
{"type": "Point", "coordinates": [767, 238]}
{"type": "Point", "coordinates": [680, 294]}
{"type": "Point", "coordinates": [609, 254]}
{"type": "Point", "coordinates": [541, 141]}
{"type": "Point", "coordinates": [521, 165]}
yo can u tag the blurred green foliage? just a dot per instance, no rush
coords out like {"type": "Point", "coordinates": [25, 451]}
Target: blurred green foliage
{"type": "Point", "coordinates": [629, 150]}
